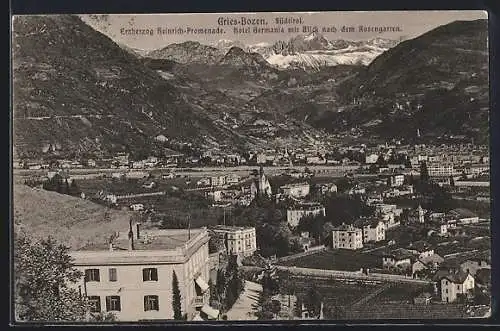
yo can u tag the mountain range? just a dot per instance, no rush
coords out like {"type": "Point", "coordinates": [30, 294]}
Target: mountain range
{"type": "Point", "coordinates": [308, 52]}
{"type": "Point", "coordinates": [79, 90]}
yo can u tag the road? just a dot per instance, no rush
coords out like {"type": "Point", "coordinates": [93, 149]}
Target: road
{"type": "Point", "coordinates": [246, 306]}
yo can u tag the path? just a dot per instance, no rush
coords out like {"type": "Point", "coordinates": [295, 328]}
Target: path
{"type": "Point", "coordinates": [371, 295]}
{"type": "Point", "coordinates": [247, 304]}
{"type": "Point", "coordinates": [351, 275]}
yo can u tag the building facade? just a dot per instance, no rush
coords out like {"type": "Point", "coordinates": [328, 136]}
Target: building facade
{"type": "Point", "coordinates": [294, 215]}
{"type": "Point", "coordinates": [298, 190]}
{"type": "Point", "coordinates": [237, 239]}
{"type": "Point", "coordinates": [374, 231]}
{"type": "Point", "coordinates": [397, 180]}
{"type": "Point", "coordinates": [347, 237]}
{"type": "Point", "coordinates": [454, 284]}
{"type": "Point", "coordinates": [131, 276]}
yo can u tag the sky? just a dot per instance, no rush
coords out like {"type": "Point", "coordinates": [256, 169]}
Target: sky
{"type": "Point", "coordinates": [403, 25]}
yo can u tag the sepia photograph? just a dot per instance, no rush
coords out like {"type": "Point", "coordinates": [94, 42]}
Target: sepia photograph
{"type": "Point", "coordinates": [267, 166]}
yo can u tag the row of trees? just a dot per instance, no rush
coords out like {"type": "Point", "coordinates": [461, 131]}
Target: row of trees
{"type": "Point", "coordinates": [60, 185]}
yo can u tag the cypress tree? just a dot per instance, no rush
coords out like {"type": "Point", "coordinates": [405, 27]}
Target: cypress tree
{"type": "Point", "coordinates": [176, 298]}
{"type": "Point", "coordinates": [65, 188]}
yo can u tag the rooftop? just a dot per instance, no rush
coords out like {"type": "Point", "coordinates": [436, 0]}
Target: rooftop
{"type": "Point", "coordinates": [419, 246]}
{"type": "Point", "coordinates": [294, 185]}
{"type": "Point", "coordinates": [230, 228]}
{"type": "Point", "coordinates": [400, 254]}
{"type": "Point", "coordinates": [164, 239]}
{"type": "Point", "coordinates": [346, 227]}
{"type": "Point", "coordinates": [456, 276]}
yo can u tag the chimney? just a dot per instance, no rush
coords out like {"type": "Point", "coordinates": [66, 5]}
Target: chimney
{"type": "Point", "coordinates": [137, 226]}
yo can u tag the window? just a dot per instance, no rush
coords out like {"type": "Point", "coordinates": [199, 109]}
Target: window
{"type": "Point", "coordinates": [95, 304]}
{"type": "Point", "coordinates": [113, 303]}
{"type": "Point", "coordinates": [151, 303]}
{"type": "Point", "coordinates": [92, 275]}
{"type": "Point", "coordinates": [458, 287]}
{"type": "Point", "coordinates": [149, 274]}
{"type": "Point", "coordinates": [446, 291]}
{"type": "Point", "coordinates": [112, 274]}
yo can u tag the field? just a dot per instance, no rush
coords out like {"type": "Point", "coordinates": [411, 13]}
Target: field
{"type": "Point", "coordinates": [336, 260]}
{"type": "Point", "coordinates": [400, 293]}
{"type": "Point", "coordinates": [334, 293]}
{"type": "Point", "coordinates": [72, 221]}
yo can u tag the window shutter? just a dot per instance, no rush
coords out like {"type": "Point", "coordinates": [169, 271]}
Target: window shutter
{"type": "Point", "coordinates": [154, 274]}
{"type": "Point", "coordinates": [87, 275]}
{"type": "Point", "coordinates": [108, 303]}
{"type": "Point", "coordinates": [146, 305]}
{"type": "Point", "coordinates": [97, 278]}
{"type": "Point", "coordinates": [144, 274]}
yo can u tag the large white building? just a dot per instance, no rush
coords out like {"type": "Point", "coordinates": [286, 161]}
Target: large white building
{"type": "Point", "coordinates": [440, 170]}
{"type": "Point", "coordinates": [297, 190]}
{"type": "Point", "coordinates": [238, 240]}
{"type": "Point", "coordinates": [347, 237]}
{"type": "Point", "coordinates": [295, 214]}
{"type": "Point", "coordinates": [131, 276]}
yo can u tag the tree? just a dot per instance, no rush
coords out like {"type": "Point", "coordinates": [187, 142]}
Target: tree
{"type": "Point", "coordinates": [176, 297]}
{"type": "Point", "coordinates": [373, 169]}
{"type": "Point", "coordinates": [424, 173]}
{"type": "Point", "coordinates": [73, 188]}
{"type": "Point", "coordinates": [44, 273]}
{"type": "Point", "coordinates": [312, 300]}
{"type": "Point", "coordinates": [381, 161]}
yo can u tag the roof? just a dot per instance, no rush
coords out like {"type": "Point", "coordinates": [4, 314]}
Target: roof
{"type": "Point", "coordinates": [420, 246]}
{"type": "Point", "coordinates": [346, 227]}
{"type": "Point", "coordinates": [456, 276]}
{"type": "Point", "coordinates": [434, 258]}
{"type": "Point", "coordinates": [294, 185]}
{"type": "Point", "coordinates": [230, 228]}
{"type": "Point", "coordinates": [167, 239]}
{"type": "Point", "coordinates": [399, 254]}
